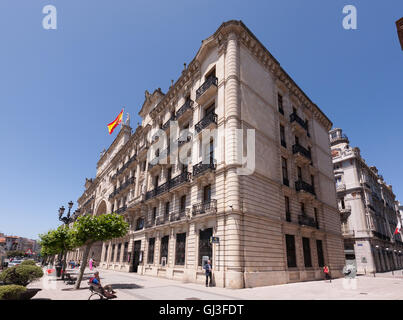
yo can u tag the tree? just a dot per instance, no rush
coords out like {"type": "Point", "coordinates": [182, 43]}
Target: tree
{"type": "Point", "coordinates": [57, 241]}
{"type": "Point", "coordinates": [89, 229]}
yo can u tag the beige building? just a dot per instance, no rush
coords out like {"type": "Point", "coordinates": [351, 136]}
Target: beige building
{"type": "Point", "coordinates": [275, 216]}
{"type": "Point", "coordinates": [369, 212]}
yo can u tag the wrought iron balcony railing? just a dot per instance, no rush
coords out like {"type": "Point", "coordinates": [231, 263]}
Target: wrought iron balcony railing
{"type": "Point", "coordinates": [297, 148]}
{"type": "Point", "coordinates": [150, 194]}
{"type": "Point", "coordinates": [296, 118]}
{"type": "Point", "coordinates": [210, 81]}
{"type": "Point", "coordinates": [167, 124]}
{"type": "Point", "coordinates": [162, 188]}
{"type": "Point", "coordinates": [178, 180]}
{"type": "Point", "coordinates": [301, 185]}
{"type": "Point", "coordinates": [209, 118]}
{"type": "Point", "coordinates": [202, 167]}
{"type": "Point", "coordinates": [179, 215]}
{"type": "Point", "coordinates": [186, 106]}
{"type": "Point", "coordinates": [205, 207]}
{"type": "Point", "coordinates": [121, 209]}
{"type": "Point", "coordinates": [305, 220]}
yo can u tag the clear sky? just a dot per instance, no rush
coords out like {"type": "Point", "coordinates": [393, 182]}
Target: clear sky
{"type": "Point", "coordinates": [59, 88]}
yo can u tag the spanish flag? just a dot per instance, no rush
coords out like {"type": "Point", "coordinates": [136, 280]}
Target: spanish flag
{"type": "Point", "coordinates": [115, 123]}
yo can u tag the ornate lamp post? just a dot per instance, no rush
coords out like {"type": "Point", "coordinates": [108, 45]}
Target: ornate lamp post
{"type": "Point", "coordinates": [66, 220]}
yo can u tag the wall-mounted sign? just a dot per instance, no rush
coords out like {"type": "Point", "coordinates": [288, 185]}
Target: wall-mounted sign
{"type": "Point", "coordinates": [214, 240]}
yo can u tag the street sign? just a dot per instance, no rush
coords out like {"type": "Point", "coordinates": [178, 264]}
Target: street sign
{"type": "Point", "coordinates": [214, 240]}
{"type": "Point", "coordinates": [29, 251]}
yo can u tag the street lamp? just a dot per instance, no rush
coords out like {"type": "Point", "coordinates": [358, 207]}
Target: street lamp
{"type": "Point", "coordinates": [66, 220]}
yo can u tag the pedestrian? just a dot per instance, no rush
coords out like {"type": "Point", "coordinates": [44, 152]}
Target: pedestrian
{"type": "Point", "coordinates": [208, 269]}
{"type": "Point", "coordinates": [90, 263]}
{"type": "Point", "coordinates": [327, 273]}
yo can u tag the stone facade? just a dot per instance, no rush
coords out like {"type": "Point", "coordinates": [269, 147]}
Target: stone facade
{"type": "Point", "coordinates": [275, 216]}
{"type": "Point", "coordinates": [369, 211]}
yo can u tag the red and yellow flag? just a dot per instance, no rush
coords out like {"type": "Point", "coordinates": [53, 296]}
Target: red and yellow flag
{"type": "Point", "coordinates": [115, 123]}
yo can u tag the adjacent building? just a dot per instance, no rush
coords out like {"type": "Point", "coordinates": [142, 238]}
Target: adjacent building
{"type": "Point", "coordinates": [368, 210]}
{"type": "Point", "coordinates": [180, 178]}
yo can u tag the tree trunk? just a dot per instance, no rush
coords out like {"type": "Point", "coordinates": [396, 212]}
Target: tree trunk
{"type": "Point", "coordinates": [83, 264]}
{"type": "Point", "coordinates": [64, 266]}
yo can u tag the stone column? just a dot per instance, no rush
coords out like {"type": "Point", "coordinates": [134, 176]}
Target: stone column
{"type": "Point", "coordinates": [234, 274]}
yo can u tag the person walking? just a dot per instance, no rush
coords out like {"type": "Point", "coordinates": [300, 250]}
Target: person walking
{"type": "Point", "coordinates": [208, 269]}
{"type": "Point", "coordinates": [90, 263]}
{"type": "Point", "coordinates": [326, 271]}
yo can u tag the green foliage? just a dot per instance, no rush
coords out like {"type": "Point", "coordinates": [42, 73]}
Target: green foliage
{"type": "Point", "coordinates": [28, 263]}
{"type": "Point", "coordinates": [16, 253]}
{"type": "Point", "coordinates": [55, 241]}
{"type": "Point", "coordinates": [21, 275]}
{"type": "Point", "coordinates": [89, 229]}
{"type": "Point", "coordinates": [11, 292]}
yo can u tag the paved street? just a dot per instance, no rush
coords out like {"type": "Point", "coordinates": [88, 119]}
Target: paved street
{"type": "Point", "coordinates": [131, 286]}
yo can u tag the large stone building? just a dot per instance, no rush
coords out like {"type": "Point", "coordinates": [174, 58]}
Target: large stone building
{"type": "Point", "coordinates": [275, 217]}
{"type": "Point", "coordinates": [369, 211]}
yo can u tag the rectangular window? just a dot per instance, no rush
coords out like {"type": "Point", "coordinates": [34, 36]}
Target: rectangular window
{"type": "Point", "coordinates": [282, 136]}
{"type": "Point", "coordinates": [302, 208]}
{"type": "Point", "coordinates": [167, 209]}
{"type": "Point", "coordinates": [183, 203]}
{"type": "Point", "coordinates": [150, 256]}
{"type": "Point", "coordinates": [316, 217]}
{"type": "Point", "coordinates": [164, 249]}
{"type": "Point", "coordinates": [207, 194]}
{"type": "Point", "coordinates": [291, 254]}
{"type": "Point", "coordinates": [205, 247]}
{"type": "Point", "coordinates": [106, 253]}
{"type": "Point", "coordinates": [284, 171]}
{"type": "Point", "coordinates": [180, 249]}
{"type": "Point", "coordinates": [280, 103]}
{"type": "Point", "coordinates": [319, 248]}
{"type": "Point", "coordinates": [287, 209]}
{"type": "Point", "coordinates": [118, 255]}
{"type": "Point", "coordinates": [313, 182]}
{"type": "Point", "coordinates": [307, 252]}
{"type": "Point", "coordinates": [299, 173]}
{"type": "Point", "coordinates": [113, 253]}
{"type": "Point", "coordinates": [125, 252]}
{"type": "Point", "coordinates": [154, 216]}
{"type": "Point", "coordinates": [209, 110]}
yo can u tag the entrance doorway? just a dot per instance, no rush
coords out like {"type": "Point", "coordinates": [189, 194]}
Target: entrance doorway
{"type": "Point", "coordinates": [136, 255]}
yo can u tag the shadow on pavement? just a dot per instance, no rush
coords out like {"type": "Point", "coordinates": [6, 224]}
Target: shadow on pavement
{"type": "Point", "coordinates": [73, 289]}
{"type": "Point", "coordinates": [125, 286]}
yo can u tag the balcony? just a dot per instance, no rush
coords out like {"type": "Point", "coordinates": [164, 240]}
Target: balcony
{"type": "Point", "coordinates": [298, 124]}
{"type": "Point", "coordinates": [150, 194]}
{"type": "Point", "coordinates": [179, 215]}
{"type": "Point", "coordinates": [302, 155]}
{"type": "Point", "coordinates": [340, 187]}
{"type": "Point", "coordinates": [210, 120]}
{"type": "Point", "coordinates": [121, 210]}
{"type": "Point", "coordinates": [179, 180]}
{"type": "Point", "coordinates": [162, 220]}
{"type": "Point", "coordinates": [345, 210]}
{"type": "Point", "coordinates": [339, 138]}
{"type": "Point", "coordinates": [305, 220]}
{"type": "Point", "coordinates": [305, 190]}
{"type": "Point", "coordinates": [187, 106]}
{"type": "Point", "coordinates": [162, 188]}
{"type": "Point", "coordinates": [203, 167]}
{"type": "Point", "coordinates": [166, 125]}
{"type": "Point", "coordinates": [149, 223]}
{"type": "Point", "coordinates": [207, 90]}
{"type": "Point", "coordinates": [205, 207]}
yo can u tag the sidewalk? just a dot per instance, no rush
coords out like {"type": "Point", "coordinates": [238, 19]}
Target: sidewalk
{"type": "Point", "coordinates": [131, 286]}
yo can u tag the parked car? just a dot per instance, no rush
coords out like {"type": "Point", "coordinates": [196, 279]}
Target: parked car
{"type": "Point", "coordinates": [14, 263]}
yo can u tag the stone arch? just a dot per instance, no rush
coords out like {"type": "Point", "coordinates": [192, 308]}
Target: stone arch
{"type": "Point", "coordinates": [102, 208]}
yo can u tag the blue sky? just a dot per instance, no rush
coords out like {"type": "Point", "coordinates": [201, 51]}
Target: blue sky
{"type": "Point", "coordinates": [59, 88]}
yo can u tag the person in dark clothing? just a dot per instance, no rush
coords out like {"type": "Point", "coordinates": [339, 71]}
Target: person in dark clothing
{"type": "Point", "coordinates": [327, 273]}
{"type": "Point", "coordinates": [208, 269]}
